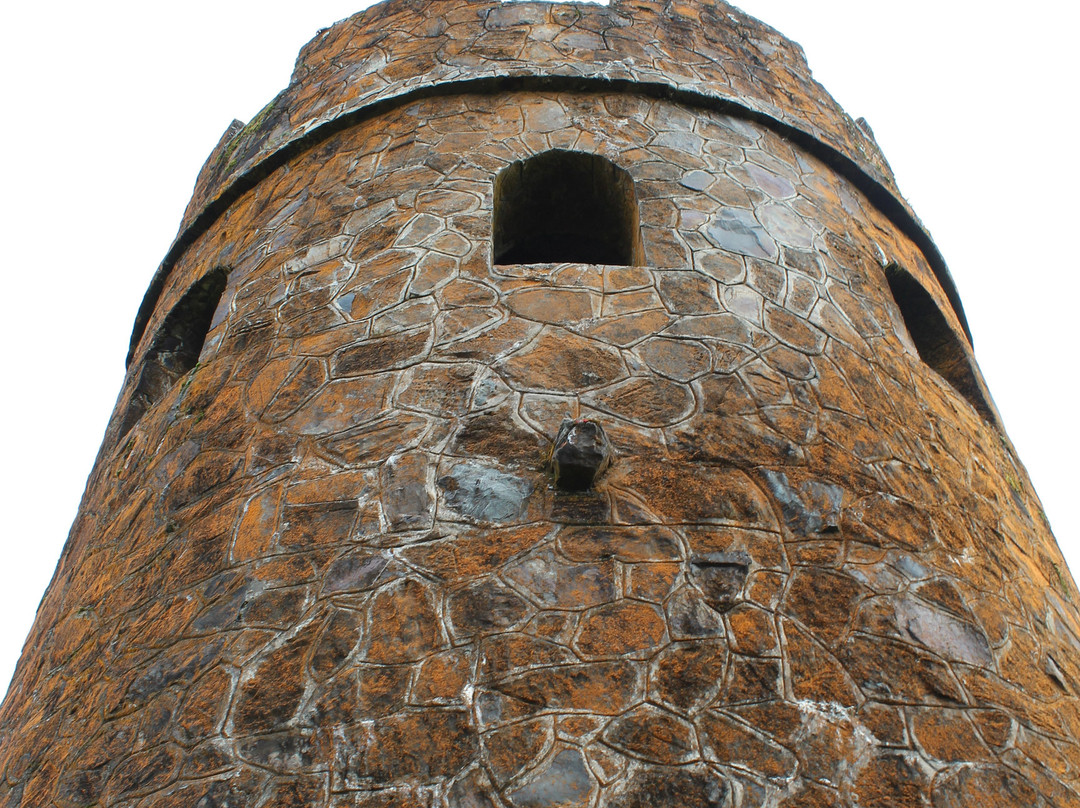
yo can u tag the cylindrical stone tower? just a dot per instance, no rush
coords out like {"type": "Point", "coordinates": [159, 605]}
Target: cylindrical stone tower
{"type": "Point", "coordinates": [551, 405]}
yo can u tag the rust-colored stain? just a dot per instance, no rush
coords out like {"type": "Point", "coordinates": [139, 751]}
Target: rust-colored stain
{"type": "Point", "coordinates": [325, 559]}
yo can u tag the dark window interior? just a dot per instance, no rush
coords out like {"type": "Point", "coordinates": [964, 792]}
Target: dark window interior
{"type": "Point", "coordinates": [937, 344]}
{"type": "Point", "coordinates": [565, 207]}
{"type": "Point", "coordinates": [176, 346]}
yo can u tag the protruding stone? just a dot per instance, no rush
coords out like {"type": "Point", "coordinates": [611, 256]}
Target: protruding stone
{"type": "Point", "coordinates": [720, 577]}
{"type": "Point", "coordinates": [582, 452]}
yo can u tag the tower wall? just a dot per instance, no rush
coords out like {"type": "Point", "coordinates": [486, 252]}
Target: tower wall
{"type": "Point", "coordinates": [328, 566]}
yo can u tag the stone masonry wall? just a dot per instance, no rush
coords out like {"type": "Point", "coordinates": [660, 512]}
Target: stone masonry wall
{"type": "Point", "coordinates": [709, 52]}
{"type": "Point", "coordinates": [329, 567]}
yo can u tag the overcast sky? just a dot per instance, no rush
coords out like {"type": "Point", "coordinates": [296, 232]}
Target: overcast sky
{"type": "Point", "coordinates": [112, 107]}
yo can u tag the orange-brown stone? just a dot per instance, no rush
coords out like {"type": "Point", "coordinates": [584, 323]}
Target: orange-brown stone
{"type": "Point", "coordinates": [402, 624]}
{"type": "Point", "coordinates": [322, 559]}
{"type": "Point", "coordinates": [622, 627]}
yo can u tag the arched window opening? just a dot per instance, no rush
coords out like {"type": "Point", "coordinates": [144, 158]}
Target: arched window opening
{"type": "Point", "coordinates": [565, 207]}
{"type": "Point", "coordinates": [937, 344]}
{"type": "Point", "coordinates": [176, 346]}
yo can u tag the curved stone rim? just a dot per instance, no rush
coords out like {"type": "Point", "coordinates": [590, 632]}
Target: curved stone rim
{"type": "Point", "coordinates": [306, 135]}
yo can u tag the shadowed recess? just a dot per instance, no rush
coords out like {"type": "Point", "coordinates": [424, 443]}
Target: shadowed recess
{"type": "Point", "coordinates": [176, 346]}
{"type": "Point", "coordinates": [565, 207]}
{"type": "Point", "coordinates": [937, 344]}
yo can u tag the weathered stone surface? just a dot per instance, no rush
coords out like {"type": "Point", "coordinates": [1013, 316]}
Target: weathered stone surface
{"type": "Point", "coordinates": [739, 232]}
{"type": "Point", "coordinates": [622, 627]}
{"type": "Point", "coordinates": [563, 362]}
{"type": "Point", "coordinates": [508, 653]}
{"type": "Point", "coordinates": [947, 736]}
{"type": "Point", "coordinates": [379, 354]}
{"type": "Point", "coordinates": [654, 735]}
{"type": "Point", "coordinates": [695, 494]}
{"type": "Point", "coordinates": [648, 402]}
{"type": "Point", "coordinates": [498, 435]}
{"type": "Point", "coordinates": [382, 689]}
{"type": "Point", "coordinates": [408, 502]}
{"type": "Point", "coordinates": [484, 608]}
{"type": "Point", "coordinates": [943, 633]}
{"type": "Point", "coordinates": [823, 601]}
{"type": "Point", "coordinates": [975, 785]}
{"type": "Point", "coordinates": [471, 791]}
{"type": "Point", "coordinates": [283, 753]}
{"type": "Point", "coordinates": [419, 747]}
{"type": "Point", "coordinates": [322, 560]}
{"type": "Point", "coordinates": [354, 572]}
{"type": "Point", "coordinates": [485, 492]}
{"type": "Point", "coordinates": [657, 788]}
{"type": "Point", "coordinates": [554, 582]}
{"type": "Point", "coordinates": [816, 675]}
{"type": "Point", "coordinates": [512, 748]}
{"type": "Point", "coordinates": [477, 553]}
{"type": "Point", "coordinates": [559, 306]}
{"type": "Point", "coordinates": [443, 678]}
{"type": "Point", "coordinates": [606, 688]}
{"type": "Point", "coordinates": [893, 780]}
{"type": "Point", "coordinates": [687, 676]}
{"type": "Point", "coordinates": [628, 544]}
{"type": "Point", "coordinates": [402, 624]}
{"type": "Point", "coordinates": [690, 617]}
{"type": "Point", "coordinates": [733, 743]}
{"type": "Point", "coordinates": [270, 698]}
{"type": "Point", "coordinates": [204, 708]}
{"type": "Point", "coordinates": [563, 783]}
{"type": "Point", "coordinates": [339, 638]}
{"type": "Point", "coordinates": [808, 506]}
{"type": "Point", "coordinates": [893, 671]}
{"type": "Point", "coordinates": [304, 526]}
{"type": "Point", "coordinates": [681, 360]}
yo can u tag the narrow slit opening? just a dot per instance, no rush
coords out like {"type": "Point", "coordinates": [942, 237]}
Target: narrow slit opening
{"type": "Point", "coordinates": [176, 346]}
{"type": "Point", "coordinates": [937, 344]}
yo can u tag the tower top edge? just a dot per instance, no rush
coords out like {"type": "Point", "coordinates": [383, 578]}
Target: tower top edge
{"type": "Point", "coordinates": [707, 47]}
{"type": "Point", "coordinates": [398, 49]}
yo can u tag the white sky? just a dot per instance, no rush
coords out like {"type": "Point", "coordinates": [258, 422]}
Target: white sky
{"type": "Point", "coordinates": [112, 107]}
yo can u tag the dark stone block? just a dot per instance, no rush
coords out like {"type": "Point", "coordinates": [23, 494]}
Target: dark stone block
{"type": "Point", "coordinates": [720, 577]}
{"type": "Point", "coordinates": [582, 452]}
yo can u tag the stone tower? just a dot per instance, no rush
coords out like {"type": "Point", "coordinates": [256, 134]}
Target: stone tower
{"type": "Point", "coordinates": [551, 405]}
